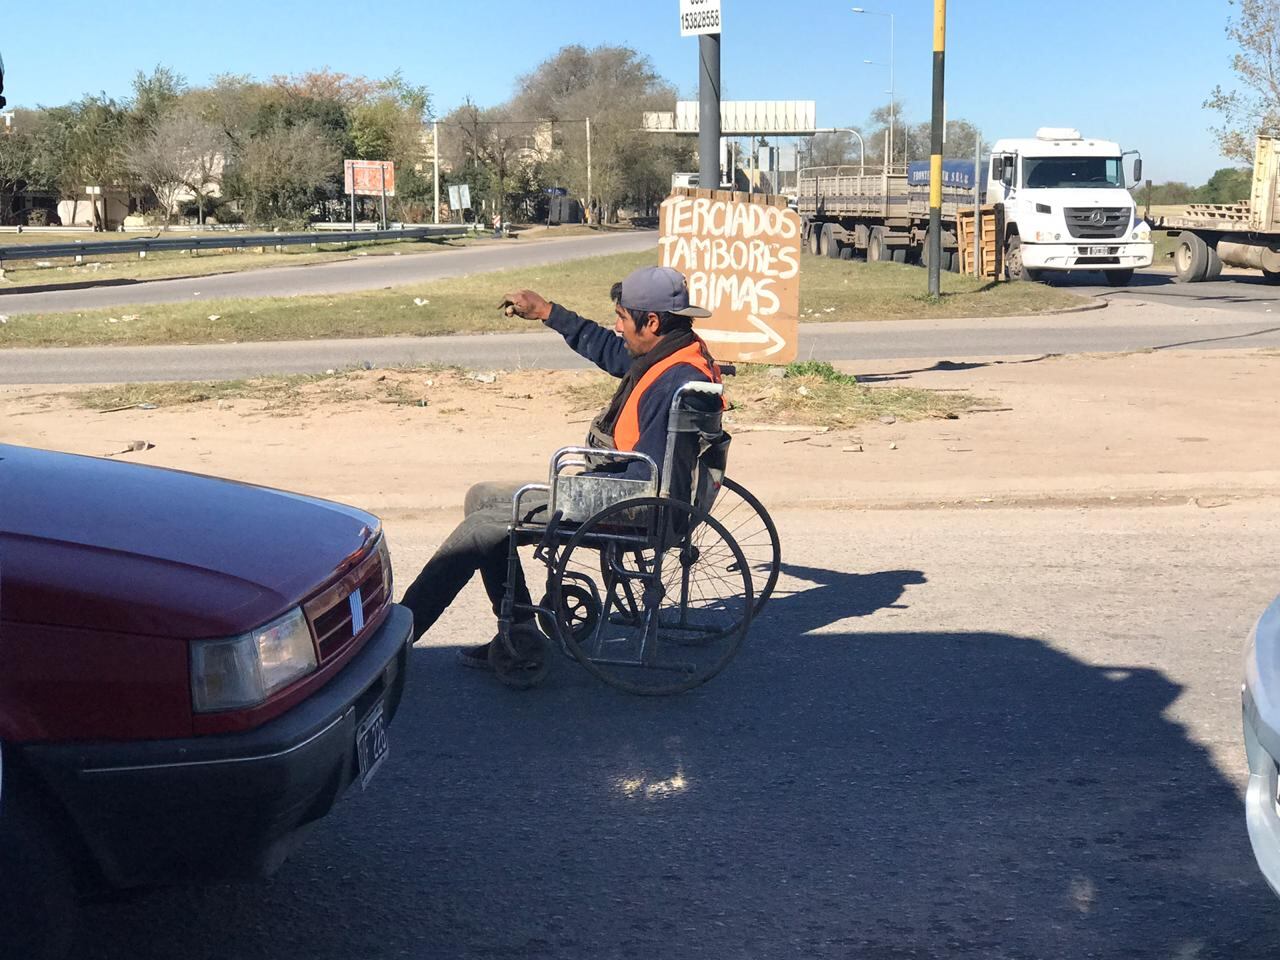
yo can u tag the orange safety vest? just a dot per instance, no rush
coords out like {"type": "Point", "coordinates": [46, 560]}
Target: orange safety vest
{"type": "Point", "coordinates": [626, 433]}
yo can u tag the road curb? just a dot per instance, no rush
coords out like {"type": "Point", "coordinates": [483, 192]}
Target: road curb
{"type": "Point", "coordinates": [1083, 308]}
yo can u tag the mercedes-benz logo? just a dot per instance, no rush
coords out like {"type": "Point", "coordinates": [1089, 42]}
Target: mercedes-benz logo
{"type": "Point", "coordinates": [1098, 217]}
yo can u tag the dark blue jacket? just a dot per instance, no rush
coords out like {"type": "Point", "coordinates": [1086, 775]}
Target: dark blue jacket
{"type": "Point", "coordinates": [608, 351]}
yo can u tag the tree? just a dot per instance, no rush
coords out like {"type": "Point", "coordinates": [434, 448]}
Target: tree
{"type": "Point", "coordinates": [182, 151]}
{"type": "Point", "coordinates": [83, 145]}
{"type": "Point", "coordinates": [1175, 191]}
{"type": "Point", "coordinates": [280, 174]}
{"type": "Point", "coordinates": [23, 162]}
{"type": "Point", "coordinates": [155, 94]}
{"type": "Point", "coordinates": [613, 86]}
{"type": "Point", "coordinates": [833, 149]}
{"type": "Point", "coordinates": [489, 146]}
{"type": "Point", "coordinates": [1254, 109]}
{"type": "Point", "coordinates": [1227, 185]}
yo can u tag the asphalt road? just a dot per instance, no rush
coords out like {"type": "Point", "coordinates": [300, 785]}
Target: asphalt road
{"type": "Point", "coordinates": [1243, 291]}
{"type": "Point", "coordinates": [939, 742]}
{"type": "Point", "coordinates": [343, 276]}
{"type": "Point", "coordinates": [1120, 327]}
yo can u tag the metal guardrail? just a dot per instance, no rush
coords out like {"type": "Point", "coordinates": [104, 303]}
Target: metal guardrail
{"type": "Point", "coordinates": [79, 248]}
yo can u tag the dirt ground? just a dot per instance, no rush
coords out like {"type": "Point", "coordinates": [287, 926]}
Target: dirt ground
{"type": "Point", "coordinates": [1135, 428]}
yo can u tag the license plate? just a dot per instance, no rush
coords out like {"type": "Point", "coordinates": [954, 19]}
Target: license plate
{"type": "Point", "coordinates": [372, 745]}
{"type": "Point", "coordinates": [1095, 251]}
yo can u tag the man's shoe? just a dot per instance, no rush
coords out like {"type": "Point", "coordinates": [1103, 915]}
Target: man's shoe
{"type": "Point", "coordinates": [477, 658]}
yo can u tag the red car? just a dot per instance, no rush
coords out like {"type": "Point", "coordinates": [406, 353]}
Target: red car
{"type": "Point", "coordinates": [191, 671]}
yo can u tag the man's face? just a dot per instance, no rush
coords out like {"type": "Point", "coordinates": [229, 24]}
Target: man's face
{"type": "Point", "coordinates": [639, 341]}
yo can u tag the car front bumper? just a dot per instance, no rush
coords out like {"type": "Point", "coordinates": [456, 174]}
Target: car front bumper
{"type": "Point", "coordinates": [1120, 255]}
{"type": "Point", "coordinates": [228, 805]}
{"type": "Point", "coordinates": [1262, 747]}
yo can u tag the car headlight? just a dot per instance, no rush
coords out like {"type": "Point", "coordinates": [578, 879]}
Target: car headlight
{"type": "Point", "coordinates": [384, 556]}
{"type": "Point", "coordinates": [238, 672]}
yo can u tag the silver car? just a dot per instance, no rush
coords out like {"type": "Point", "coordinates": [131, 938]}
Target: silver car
{"type": "Point", "coordinates": [1261, 696]}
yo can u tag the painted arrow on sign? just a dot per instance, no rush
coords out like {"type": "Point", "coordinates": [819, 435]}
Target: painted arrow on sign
{"type": "Point", "coordinates": [763, 334]}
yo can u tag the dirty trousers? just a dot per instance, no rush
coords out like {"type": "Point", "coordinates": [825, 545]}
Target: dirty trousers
{"type": "Point", "coordinates": [479, 542]}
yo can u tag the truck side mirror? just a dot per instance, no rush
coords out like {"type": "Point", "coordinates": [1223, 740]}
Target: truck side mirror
{"type": "Point", "coordinates": [1137, 171]}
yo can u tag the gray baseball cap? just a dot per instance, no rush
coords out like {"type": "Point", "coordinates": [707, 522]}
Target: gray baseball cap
{"type": "Point", "coordinates": [658, 290]}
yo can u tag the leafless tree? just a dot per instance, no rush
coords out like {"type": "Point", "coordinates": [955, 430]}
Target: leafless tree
{"type": "Point", "coordinates": [1255, 108]}
{"type": "Point", "coordinates": [181, 152]}
{"type": "Point", "coordinates": [613, 86]}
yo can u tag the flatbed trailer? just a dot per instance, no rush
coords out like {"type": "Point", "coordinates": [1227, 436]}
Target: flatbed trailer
{"type": "Point", "coordinates": [1247, 234]}
{"type": "Point", "coordinates": [884, 215]}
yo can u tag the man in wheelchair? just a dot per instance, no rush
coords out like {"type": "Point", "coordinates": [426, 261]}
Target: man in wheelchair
{"type": "Point", "coordinates": [653, 352]}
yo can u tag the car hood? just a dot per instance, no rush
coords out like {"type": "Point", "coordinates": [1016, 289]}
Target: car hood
{"type": "Point", "coordinates": [120, 547]}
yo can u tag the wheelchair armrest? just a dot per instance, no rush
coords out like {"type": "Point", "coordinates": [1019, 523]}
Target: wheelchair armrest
{"type": "Point", "coordinates": [515, 501]}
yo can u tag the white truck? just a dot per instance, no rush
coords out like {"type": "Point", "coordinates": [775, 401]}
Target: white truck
{"type": "Point", "coordinates": [1066, 207]}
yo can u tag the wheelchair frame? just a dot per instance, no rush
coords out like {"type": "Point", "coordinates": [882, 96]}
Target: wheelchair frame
{"type": "Point", "coordinates": [588, 510]}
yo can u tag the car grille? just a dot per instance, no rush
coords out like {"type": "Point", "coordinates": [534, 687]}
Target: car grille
{"type": "Point", "coordinates": [1114, 221]}
{"type": "Point", "coordinates": [330, 613]}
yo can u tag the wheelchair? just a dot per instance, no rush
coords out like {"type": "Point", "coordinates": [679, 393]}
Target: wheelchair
{"type": "Point", "coordinates": [648, 585]}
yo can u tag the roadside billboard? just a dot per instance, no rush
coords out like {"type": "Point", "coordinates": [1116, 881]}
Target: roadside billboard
{"type": "Point", "coordinates": [369, 178]}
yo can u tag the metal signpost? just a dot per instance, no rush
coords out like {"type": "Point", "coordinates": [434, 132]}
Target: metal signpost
{"type": "Point", "coordinates": [701, 18]}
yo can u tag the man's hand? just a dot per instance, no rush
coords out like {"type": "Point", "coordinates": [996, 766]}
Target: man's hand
{"type": "Point", "coordinates": [526, 304]}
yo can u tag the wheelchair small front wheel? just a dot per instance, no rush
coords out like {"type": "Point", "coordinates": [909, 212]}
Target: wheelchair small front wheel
{"type": "Point", "coordinates": [675, 595]}
{"type": "Point", "coordinates": [519, 656]}
{"type": "Point", "coordinates": [580, 610]}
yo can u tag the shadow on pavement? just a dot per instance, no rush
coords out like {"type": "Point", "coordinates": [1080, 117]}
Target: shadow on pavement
{"type": "Point", "coordinates": [949, 366]}
{"type": "Point", "coordinates": [837, 792]}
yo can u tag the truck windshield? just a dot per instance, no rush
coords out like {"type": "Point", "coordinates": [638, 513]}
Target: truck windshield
{"type": "Point", "coordinates": [1058, 172]}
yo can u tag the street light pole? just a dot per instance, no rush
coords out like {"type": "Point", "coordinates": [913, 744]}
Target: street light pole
{"type": "Point", "coordinates": [893, 99]}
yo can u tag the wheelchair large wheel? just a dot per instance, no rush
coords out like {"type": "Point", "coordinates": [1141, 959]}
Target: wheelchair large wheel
{"type": "Point", "coordinates": [675, 595]}
{"type": "Point", "coordinates": [749, 523]}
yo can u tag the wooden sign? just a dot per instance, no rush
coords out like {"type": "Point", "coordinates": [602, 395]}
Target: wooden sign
{"type": "Point", "coordinates": [741, 257]}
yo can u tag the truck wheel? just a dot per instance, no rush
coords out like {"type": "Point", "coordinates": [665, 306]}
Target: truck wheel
{"type": "Point", "coordinates": [37, 881]}
{"type": "Point", "coordinates": [1190, 258]}
{"type": "Point", "coordinates": [899, 254]}
{"type": "Point", "coordinates": [830, 242]}
{"type": "Point", "coordinates": [1214, 270]}
{"type": "Point", "coordinates": [953, 262]}
{"type": "Point", "coordinates": [1271, 276]}
{"type": "Point", "coordinates": [846, 251]}
{"type": "Point", "coordinates": [1013, 268]}
{"type": "Point", "coordinates": [875, 245]}
{"type": "Point", "coordinates": [1119, 278]}
{"type": "Point", "coordinates": [815, 229]}
{"type": "Point", "coordinates": [824, 240]}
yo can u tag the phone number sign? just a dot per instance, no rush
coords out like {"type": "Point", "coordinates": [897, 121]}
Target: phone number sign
{"type": "Point", "coordinates": [698, 17]}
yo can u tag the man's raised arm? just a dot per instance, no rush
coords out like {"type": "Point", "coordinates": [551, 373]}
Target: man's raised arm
{"type": "Point", "coordinates": [587, 338]}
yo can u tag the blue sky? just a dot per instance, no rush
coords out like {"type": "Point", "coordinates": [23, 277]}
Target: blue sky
{"type": "Point", "coordinates": [1134, 71]}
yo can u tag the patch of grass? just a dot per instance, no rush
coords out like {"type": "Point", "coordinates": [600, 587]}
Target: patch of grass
{"type": "Point", "coordinates": [852, 290]}
{"type": "Point", "coordinates": [458, 305]}
{"type": "Point", "coordinates": [820, 369]}
{"type": "Point", "coordinates": [403, 386]}
{"type": "Point", "coordinates": [810, 394]}
{"type": "Point", "coordinates": [1164, 246]}
{"type": "Point", "coordinates": [829, 290]}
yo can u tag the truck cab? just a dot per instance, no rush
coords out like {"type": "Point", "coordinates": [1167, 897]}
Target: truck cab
{"type": "Point", "coordinates": [1067, 206]}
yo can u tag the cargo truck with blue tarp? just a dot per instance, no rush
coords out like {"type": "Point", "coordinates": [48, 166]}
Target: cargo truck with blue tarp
{"type": "Point", "coordinates": [1060, 203]}
{"type": "Point", "coordinates": [883, 215]}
